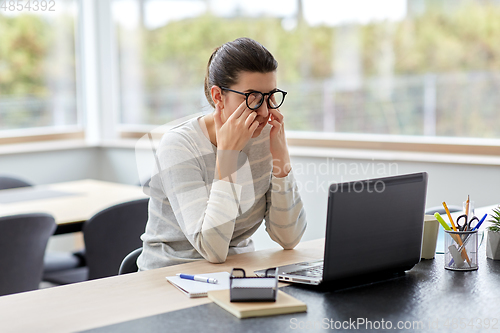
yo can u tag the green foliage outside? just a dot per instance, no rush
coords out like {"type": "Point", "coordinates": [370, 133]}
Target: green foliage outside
{"type": "Point", "coordinates": [24, 42]}
{"type": "Point", "coordinates": [460, 46]}
{"type": "Point", "coordinates": [452, 44]}
{"type": "Point", "coordinates": [37, 65]}
{"type": "Point", "coordinates": [437, 42]}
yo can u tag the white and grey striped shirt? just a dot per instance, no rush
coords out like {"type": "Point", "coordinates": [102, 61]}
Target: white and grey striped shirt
{"type": "Point", "coordinates": [194, 216]}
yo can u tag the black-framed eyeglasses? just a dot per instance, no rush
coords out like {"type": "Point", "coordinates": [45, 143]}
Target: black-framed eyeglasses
{"type": "Point", "coordinates": [275, 98]}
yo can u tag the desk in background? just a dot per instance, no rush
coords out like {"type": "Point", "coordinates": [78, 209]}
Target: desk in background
{"type": "Point", "coordinates": [145, 301]}
{"type": "Point", "coordinates": [71, 203]}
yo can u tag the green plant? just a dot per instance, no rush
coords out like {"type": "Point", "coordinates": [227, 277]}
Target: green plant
{"type": "Point", "coordinates": [495, 219]}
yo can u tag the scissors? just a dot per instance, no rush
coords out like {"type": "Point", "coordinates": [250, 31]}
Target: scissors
{"type": "Point", "coordinates": [467, 226]}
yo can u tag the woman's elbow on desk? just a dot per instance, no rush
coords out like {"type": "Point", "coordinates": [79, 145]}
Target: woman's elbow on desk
{"type": "Point", "coordinates": [214, 257]}
{"type": "Point", "coordinates": [287, 242]}
{"type": "Point", "coordinates": [216, 260]}
{"type": "Point", "coordinates": [290, 246]}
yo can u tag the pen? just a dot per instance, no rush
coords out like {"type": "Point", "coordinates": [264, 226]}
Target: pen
{"type": "Point", "coordinates": [197, 278]}
{"type": "Point", "coordinates": [480, 222]}
{"type": "Point", "coordinates": [441, 221]}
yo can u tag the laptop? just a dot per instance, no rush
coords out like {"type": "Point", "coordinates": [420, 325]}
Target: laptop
{"type": "Point", "coordinates": [373, 226]}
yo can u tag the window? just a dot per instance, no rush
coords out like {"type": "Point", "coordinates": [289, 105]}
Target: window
{"type": "Point", "coordinates": [422, 68]}
{"type": "Point", "coordinates": [38, 67]}
{"type": "Point", "coordinates": [416, 67]}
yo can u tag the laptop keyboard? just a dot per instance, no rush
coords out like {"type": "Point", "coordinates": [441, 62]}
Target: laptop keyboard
{"type": "Point", "coordinates": [315, 271]}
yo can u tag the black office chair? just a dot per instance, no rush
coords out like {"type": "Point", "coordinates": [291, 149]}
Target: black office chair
{"type": "Point", "coordinates": [441, 210]}
{"type": "Point", "coordinates": [23, 239]}
{"type": "Point", "coordinates": [129, 264]}
{"type": "Point", "coordinates": [7, 182]}
{"type": "Point", "coordinates": [109, 236]}
{"type": "Point", "coordinates": [52, 261]}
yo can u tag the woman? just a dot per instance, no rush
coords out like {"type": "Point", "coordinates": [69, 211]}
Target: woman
{"type": "Point", "coordinates": [222, 174]}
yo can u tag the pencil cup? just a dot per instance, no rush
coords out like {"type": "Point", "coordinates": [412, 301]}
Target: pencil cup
{"type": "Point", "coordinates": [460, 250]}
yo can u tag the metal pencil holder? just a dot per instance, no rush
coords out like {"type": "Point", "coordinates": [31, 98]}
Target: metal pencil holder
{"type": "Point", "coordinates": [461, 250]}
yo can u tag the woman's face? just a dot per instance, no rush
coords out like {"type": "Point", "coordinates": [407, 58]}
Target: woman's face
{"type": "Point", "coordinates": [248, 82]}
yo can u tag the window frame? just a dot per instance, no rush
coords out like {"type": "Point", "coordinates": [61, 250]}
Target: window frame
{"type": "Point", "coordinates": [353, 141]}
{"type": "Point", "coordinates": [57, 133]}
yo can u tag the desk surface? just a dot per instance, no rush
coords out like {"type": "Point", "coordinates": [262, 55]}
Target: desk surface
{"type": "Point", "coordinates": [144, 301]}
{"type": "Point", "coordinates": [70, 202]}
{"type": "Point", "coordinates": [97, 303]}
{"type": "Point", "coordinates": [427, 299]}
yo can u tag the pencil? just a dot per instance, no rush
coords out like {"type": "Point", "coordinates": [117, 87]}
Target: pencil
{"type": "Point", "coordinates": [464, 253]}
{"type": "Point", "coordinates": [467, 206]}
{"type": "Point", "coordinates": [449, 216]}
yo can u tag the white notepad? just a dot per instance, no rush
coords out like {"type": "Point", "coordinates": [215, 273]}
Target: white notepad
{"type": "Point", "coordinates": [193, 289]}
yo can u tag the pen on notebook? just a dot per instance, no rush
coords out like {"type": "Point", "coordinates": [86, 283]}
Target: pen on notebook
{"type": "Point", "coordinates": [197, 278]}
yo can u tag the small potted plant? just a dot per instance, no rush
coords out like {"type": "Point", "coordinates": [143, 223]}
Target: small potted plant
{"type": "Point", "coordinates": [493, 241]}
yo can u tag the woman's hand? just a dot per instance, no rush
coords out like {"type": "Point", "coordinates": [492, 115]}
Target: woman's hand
{"type": "Point", "coordinates": [232, 136]}
{"type": "Point", "coordinates": [235, 133]}
{"type": "Point", "coordinates": [279, 149]}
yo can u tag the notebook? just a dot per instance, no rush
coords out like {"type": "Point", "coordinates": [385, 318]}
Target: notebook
{"type": "Point", "coordinates": [373, 226]}
{"type": "Point", "coordinates": [194, 289]}
{"type": "Point", "coordinates": [284, 304]}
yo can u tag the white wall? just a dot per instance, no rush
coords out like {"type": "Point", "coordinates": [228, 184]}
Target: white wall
{"type": "Point", "coordinates": [54, 166]}
{"type": "Point", "coordinates": [448, 182]}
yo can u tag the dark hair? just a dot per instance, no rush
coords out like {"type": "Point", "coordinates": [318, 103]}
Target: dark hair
{"type": "Point", "coordinates": [230, 59]}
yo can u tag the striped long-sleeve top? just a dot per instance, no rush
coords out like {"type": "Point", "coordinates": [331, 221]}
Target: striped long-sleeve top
{"type": "Point", "coordinates": [195, 216]}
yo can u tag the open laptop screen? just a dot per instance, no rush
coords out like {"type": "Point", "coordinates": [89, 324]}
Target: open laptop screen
{"type": "Point", "coordinates": [374, 225]}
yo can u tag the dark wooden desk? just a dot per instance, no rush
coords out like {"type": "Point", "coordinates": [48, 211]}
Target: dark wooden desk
{"type": "Point", "coordinates": [427, 298]}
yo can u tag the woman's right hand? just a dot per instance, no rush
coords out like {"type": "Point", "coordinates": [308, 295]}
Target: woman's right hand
{"type": "Point", "coordinates": [235, 133]}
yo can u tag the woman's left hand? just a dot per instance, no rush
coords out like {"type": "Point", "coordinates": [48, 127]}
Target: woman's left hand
{"type": "Point", "coordinates": [279, 149]}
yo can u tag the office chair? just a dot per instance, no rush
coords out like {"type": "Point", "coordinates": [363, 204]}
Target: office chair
{"type": "Point", "coordinates": [23, 239]}
{"type": "Point", "coordinates": [109, 236]}
{"type": "Point", "coordinates": [52, 261]}
{"type": "Point", "coordinates": [129, 263]}
{"type": "Point", "coordinates": [11, 182]}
